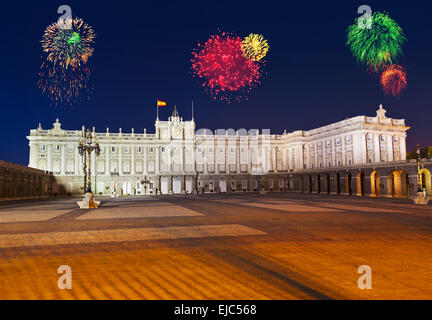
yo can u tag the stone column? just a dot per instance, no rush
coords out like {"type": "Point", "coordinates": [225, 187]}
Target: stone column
{"type": "Point", "coordinates": [157, 150]}
{"type": "Point", "coordinates": [377, 148]}
{"type": "Point", "coordinates": [237, 149]}
{"type": "Point", "coordinates": [77, 161]}
{"type": "Point", "coordinates": [343, 151]}
{"type": "Point", "coordinates": [145, 170]}
{"type": "Point", "coordinates": [62, 160]}
{"type": "Point", "coordinates": [390, 147]}
{"type": "Point", "coordinates": [355, 185]}
{"type": "Point", "coordinates": [133, 161]}
{"type": "Point", "coordinates": [403, 147]}
{"type": "Point", "coordinates": [93, 168]}
{"type": "Point", "coordinates": [120, 168]}
{"type": "Point", "coordinates": [183, 160]}
{"type": "Point", "coordinates": [34, 148]}
{"type": "Point", "coordinates": [333, 152]}
{"type": "Point", "coordinates": [107, 160]}
{"type": "Point", "coordinates": [49, 162]}
{"type": "Point", "coordinates": [299, 157]}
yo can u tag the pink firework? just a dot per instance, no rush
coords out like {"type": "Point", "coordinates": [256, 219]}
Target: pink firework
{"type": "Point", "coordinates": [225, 71]}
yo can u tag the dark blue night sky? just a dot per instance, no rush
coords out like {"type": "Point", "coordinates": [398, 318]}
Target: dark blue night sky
{"type": "Point", "coordinates": [143, 52]}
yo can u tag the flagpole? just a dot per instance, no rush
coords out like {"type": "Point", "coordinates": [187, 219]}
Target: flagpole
{"type": "Point", "coordinates": [192, 110]}
{"type": "Point", "coordinates": [157, 112]}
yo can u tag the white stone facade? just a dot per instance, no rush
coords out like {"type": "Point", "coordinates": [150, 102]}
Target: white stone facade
{"type": "Point", "coordinates": [179, 159]}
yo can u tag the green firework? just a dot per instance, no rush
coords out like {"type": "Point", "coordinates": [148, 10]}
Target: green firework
{"type": "Point", "coordinates": [378, 46]}
{"type": "Point", "coordinates": [75, 38]}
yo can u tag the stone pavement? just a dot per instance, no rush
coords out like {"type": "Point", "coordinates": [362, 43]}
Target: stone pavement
{"type": "Point", "coordinates": [237, 246]}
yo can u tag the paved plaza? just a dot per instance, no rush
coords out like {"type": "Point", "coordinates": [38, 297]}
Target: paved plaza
{"type": "Point", "coordinates": [236, 246]}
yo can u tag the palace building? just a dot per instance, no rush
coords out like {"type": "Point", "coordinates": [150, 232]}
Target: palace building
{"type": "Point", "coordinates": [178, 158]}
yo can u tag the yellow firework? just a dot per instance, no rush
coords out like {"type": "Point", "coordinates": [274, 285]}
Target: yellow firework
{"type": "Point", "coordinates": [255, 47]}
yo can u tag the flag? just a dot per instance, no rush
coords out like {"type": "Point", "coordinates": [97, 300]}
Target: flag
{"type": "Point", "coordinates": [161, 103]}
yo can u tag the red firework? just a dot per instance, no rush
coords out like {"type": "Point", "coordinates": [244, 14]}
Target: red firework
{"type": "Point", "coordinates": [394, 80]}
{"type": "Point", "coordinates": [225, 71]}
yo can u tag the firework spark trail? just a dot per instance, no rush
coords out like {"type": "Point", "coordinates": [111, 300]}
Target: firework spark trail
{"type": "Point", "coordinates": [226, 73]}
{"type": "Point", "coordinates": [394, 80]}
{"type": "Point", "coordinates": [65, 86]}
{"type": "Point", "coordinates": [64, 76]}
{"type": "Point", "coordinates": [255, 47]}
{"type": "Point", "coordinates": [379, 46]}
{"type": "Point", "coordinates": [69, 47]}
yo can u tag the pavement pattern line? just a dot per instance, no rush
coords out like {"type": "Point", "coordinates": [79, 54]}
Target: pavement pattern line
{"type": "Point", "coordinates": [29, 216]}
{"type": "Point", "coordinates": [148, 212]}
{"type": "Point", "coordinates": [123, 235]}
{"type": "Point", "coordinates": [291, 207]}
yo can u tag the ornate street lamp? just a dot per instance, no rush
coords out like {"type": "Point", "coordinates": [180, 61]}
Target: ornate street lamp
{"type": "Point", "coordinates": [419, 178]}
{"type": "Point", "coordinates": [145, 182]}
{"type": "Point", "coordinates": [86, 146]}
{"type": "Point", "coordinates": [421, 196]}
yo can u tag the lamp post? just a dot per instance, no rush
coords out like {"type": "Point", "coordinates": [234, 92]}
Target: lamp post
{"type": "Point", "coordinates": [86, 146]}
{"type": "Point", "coordinates": [421, 196]}
{"type": "Point", "coordinates": [195, 165]}
{"type": "Point", "coordinates": [145, 182]}
{"type": "Point", "coordinates": [419, 179]}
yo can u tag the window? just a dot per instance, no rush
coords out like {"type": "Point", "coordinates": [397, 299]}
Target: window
{"type": "Point", "coordinates": [139, 149]}
{"type": "Point", "coordinates": [338, 141]}
{"type": "Point", "coordinates": [43, 147]}
{"type": "Point", "coordinates": [348, 139]}
{"type": "Point", "coordinates": [151, 149]}
{"type": "Point", "coordinates": [57, 147]}
{"type": "Point", "coordinates": [126, 149]}
{"type": "Point", "coordinates": [382, 138]}
{"type": "Point", "coordinates": [70, 148]}
{"type": "Point", "coordinates": [349, 161]}
{"type": "Point", "coordinates": [70, 167]}
{"type": "Point", "coordinates": [113, 149]}
{"type": "Point", "coordinates": [395, 139]}
{"type": "Point", "coordinates": [126, 167]}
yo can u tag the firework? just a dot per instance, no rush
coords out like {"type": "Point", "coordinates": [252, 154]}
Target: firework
{"type": "Point", "coordinates": [394, 80]}
{"type": "Point", "coordinates": [379, 46]}
{"type": "Point", "coordinates": [224, 70]}
{"type": "Point", "coordinates": [68, 47]}
{"type": "Point", "coordinates": [255, 47]}
{"type": "Point", "coordinates": [65, 86]}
